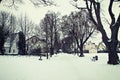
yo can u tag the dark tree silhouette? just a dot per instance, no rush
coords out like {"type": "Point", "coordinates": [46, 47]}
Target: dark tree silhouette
{"type": "Point", "coordinates": [21, 44]}
{"type": "Point", "coordinates": [4, 29]}
{"type": "Point", "coordinates": [111, 43]}
{"type": "Point", "coordinates": [2, 40]}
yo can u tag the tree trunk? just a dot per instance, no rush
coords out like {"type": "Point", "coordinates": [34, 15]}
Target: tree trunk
{"type": "Point", "coordinates": [2, 42]}
{"type": "Point", "coordinates": [112, 53]}
{"type": "Point", "coordinates": [47, 50]}
{"type": "Point", "coordinates": [2, 50]}
{"type": "Point", "coordinates": [10, 49]}
{"type": "Point", "coordinates": [111, 46]}
{"type": "Point", "coordinates": [81, 50]}
{"type": "Point", "coordinates": [113, 57]}
{"type": "Point", "coordinates": [51, 51]}
{"type": "Point", "coordinates": [80, 46]}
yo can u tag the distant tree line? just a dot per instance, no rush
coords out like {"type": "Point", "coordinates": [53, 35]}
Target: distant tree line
{"type": "Point", "coordinates": [67, 32]}
{"type": "Point", "coordinates": [77, 26]}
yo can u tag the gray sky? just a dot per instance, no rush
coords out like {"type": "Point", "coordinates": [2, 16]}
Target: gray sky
{"type": "Point", "coordinates": [37, 13]}
{"type": "Point", "coordinates": [64, 7]}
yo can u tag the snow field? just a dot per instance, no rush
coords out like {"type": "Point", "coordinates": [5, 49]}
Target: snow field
{"type": "Point", "coordinates": [59, 67]}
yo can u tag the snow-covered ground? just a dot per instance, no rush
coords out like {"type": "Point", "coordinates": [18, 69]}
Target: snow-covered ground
{"type": "Point", "coordinates": [59, 67]}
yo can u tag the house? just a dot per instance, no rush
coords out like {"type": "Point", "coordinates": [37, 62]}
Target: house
{"type": "Point", "coordinates": [91, 47]}
{"type": "Point", "coordinates": [10, 45]}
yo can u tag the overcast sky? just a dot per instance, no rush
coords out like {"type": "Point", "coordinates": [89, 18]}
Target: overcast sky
{"type": "Point", "coordinates": [63, 6]}
{"type": "Point", "coordinates": [37, 13]}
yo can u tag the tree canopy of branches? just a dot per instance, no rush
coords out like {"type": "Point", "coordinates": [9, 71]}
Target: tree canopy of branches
{"type": "Point", "coordinates": [111, 43]}
{"type": "Point", "coordinates": [26, 26]}
{"type": "Point", "coordinates": [50, 27]}
{"type": "Point", "coordinates": [79, 27]}
{"type": "Point", "coordinates": [43, 2]}
{"type": "Point", "coordinates": [83, 28]}
{"type": "Point", "coordinates": [38, 3]}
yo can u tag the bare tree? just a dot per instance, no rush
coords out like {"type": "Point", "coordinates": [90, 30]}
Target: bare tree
{"type": "Point", "coordinates": [50, 27]}
{"type": "Point", "coordinates": [26, 26]}
{"type": "Point", "coordinates": [4, 30]}
{"type": "Point", "coordinates": [79, 27]}
{"type": "Point", "coordinates": [56, 33]}
{"type": "Point", "coordinates": [82, 30]}
{"type": "Point", "coordinates": [111, 43]}
{"type": "Point", "coordinates": [53, 21]}
{"type": "Point", "coordinates": [12, 27]}
{"type": "Point", "coordinates": [44, 28]}
{"type": "Point", "coordinates": [67, 38]}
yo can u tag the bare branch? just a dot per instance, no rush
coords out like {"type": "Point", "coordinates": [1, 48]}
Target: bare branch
{"type": "Point", "coordinates": [12, 3]}
{"type": "Point", "coordinates": [111, 13]}
{"type": "Point", "coordinates": [107, 21]}
{"type": "Point", "coordinates": [39, 3]}
{"type": "Point", "coordinates": [75, 5]}
{"type": "Point", "coordinates": [116, 0]}
{"type": "Point", "coordinates": [89, 8]}
{"type": "Point", "coordinates": [118, 22]}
